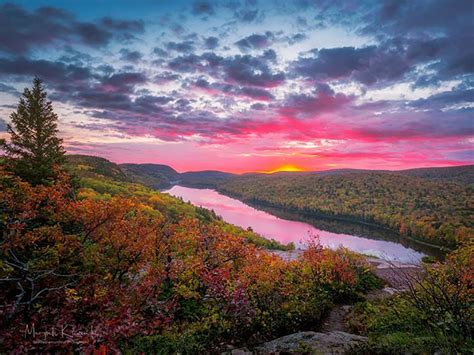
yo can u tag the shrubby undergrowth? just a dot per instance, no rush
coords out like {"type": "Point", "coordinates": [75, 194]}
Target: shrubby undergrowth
{"type": "Point", "coordinates": [123, 267]}
{"type": "Point", "coordinates": [435, 314]}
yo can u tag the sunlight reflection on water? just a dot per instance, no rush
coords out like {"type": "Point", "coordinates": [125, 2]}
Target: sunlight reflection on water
{"type": "Point", "coordinates": [285, 231]}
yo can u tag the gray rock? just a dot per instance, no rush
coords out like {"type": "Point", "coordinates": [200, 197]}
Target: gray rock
{"type": "Point", "coordinates": [346, 308]}
{"type": "Point", "coordinates": [335, 342]}
{"type": "Point", "coordinates": [234, 351]}
{"type": "Point", "coordinates": [241, 352]}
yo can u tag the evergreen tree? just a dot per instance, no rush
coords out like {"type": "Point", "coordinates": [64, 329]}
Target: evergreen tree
{"type": "Point", "coordinates": [34, 151]}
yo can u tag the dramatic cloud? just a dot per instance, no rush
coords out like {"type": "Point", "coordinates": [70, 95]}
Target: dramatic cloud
{"type": "Point", "coordinates": [297, 37]}
{"type": "Point", "coordinates": [251, 92]}
{"type": "Point", "coordinates": [255, 41]}
{"type": "Point", "coordinates": [418, 17]}
{"type": "Point", "coordinates": [249, 70]}
{"type": "Point", "coordinates": [446, 99]}
{"type": "Point", "coordinates": [248, 15]}
{"type": "Point", "coordinates": [420, 126]}
{"type": "Point", "coordinates": [334, 63]}
{"type": "Point", "coordinates": [323, 99]}
{"type": "Point", "coordinates": [123, 82]}
{"type": "Point", "coordinates": [388, 84]}
{"type": "Point", "coordinates": [8, 89]}
{"type": "Point", "coordinates": [367, 65]}
{"type": "Point", "coordinates": [56, 72]}
{"type": "Point", "coordinates": [130, 56]}
{"type": "Point", "coordinates": [240, 69]}
{"type": "Point", "coordinates": [182, 47]}
{"type": "Point", "coordinates": [203, 8]}
{"type": "Point", "coordinates": [211, 42]}
{"type": "Point", "coordinates": [23, 30]}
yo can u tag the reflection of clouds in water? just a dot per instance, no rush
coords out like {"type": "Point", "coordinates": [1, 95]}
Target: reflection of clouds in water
{"type": "Point", "coordinates": [285, 231]}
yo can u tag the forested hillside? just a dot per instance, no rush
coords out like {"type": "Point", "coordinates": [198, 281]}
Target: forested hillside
{"type": "Point", "coordinates": [93, 263]}
{"type": "Point", "coordinates": [153, 175]}
{"type": "Point", "coordinates": [435, 211]}
{"type": "Point", "coordinates": [460, 174]}
{"type": "Point", "coordinates": [127, 267]}
{"type": "Point", "coordinates": [92, 166]}
{"type": "Point", "coordinates": [98, 175]}
{"type": "Point", "coordinates": [204, 179]}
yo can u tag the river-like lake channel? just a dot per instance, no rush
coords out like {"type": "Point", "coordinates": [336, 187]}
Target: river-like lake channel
{"type": "Point", "coordinates": [284, 227]}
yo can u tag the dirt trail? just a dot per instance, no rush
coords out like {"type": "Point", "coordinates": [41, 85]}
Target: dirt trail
{"type": "Point", "coordinates": [336, 319]}
{"type": "Point", "coordinates": [393, 273]}
{"type": "Point", "coordinates": [395, 276]}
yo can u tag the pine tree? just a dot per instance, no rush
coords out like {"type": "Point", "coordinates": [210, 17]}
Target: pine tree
{"type": "Point", "coordinates": [34, 151]}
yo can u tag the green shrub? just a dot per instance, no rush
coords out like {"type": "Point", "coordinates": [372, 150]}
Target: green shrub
{"type": "Point", "coordinates": [435, 313]}
{"type": "Point", "coordinates": [427, 259]}
{"type": "Point", "coordinates": [398, 343]}
{"type": "Point", "coordinates": [165, 344]}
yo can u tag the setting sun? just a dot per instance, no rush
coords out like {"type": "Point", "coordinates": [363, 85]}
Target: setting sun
{"type": "Point", "coordinates": [287, 167]}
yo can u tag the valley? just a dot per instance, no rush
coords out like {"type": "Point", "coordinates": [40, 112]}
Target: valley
{"type": "Point", "coordinates": [236, 177]}
{"type": "Point", "coordinates": [430, 206]}
{"type": "Point", "coordinates": [286, 231]}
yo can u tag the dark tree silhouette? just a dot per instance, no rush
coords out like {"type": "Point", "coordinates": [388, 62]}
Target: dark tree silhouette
{"type": "Point", "coordinates": [34, 150]}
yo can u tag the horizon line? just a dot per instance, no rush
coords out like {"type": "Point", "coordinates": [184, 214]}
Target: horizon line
{"type": "Point", "coordinates": [263, 172]}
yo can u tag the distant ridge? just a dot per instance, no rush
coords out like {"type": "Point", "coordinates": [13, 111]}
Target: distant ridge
{"type": "Point", "coordinates": [461, 174]}
{"type": "Point", "coordinates": [154, 175]}
{"type": "Point", "coordinates": [206, 178]}
{"type": "Point", "coordinates": [92, 166]}
{"type": "Point", "coordinates": [163, 176]}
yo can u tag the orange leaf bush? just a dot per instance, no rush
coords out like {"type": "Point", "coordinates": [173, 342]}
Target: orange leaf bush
{"type": "Point", "coordinates": [144, 271]}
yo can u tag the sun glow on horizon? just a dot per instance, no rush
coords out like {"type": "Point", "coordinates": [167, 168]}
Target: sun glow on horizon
{"type": "Point", "coordinates": [284, 168]}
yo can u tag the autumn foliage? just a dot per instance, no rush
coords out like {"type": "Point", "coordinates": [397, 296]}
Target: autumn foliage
{"type": "Point", "coordinates": [433, 315]}
{"type": "Point", "coordinates": [140, 272]}
{"type": "Point", "coordinates": [437, 212]}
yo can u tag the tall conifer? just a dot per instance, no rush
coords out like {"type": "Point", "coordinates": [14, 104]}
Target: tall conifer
{"type": "Point", "coordinates": [34, 150]}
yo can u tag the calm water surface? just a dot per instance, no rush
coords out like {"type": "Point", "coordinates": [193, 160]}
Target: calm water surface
{"type": "Point", "coordinates": [285, 231]}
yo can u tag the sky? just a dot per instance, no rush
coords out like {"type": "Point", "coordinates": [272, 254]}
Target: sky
{"type": "Point", "coordinates": [249, 85]}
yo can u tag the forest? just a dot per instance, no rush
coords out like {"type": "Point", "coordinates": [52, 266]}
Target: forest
{"type": "Point", "coordinates": [438, 212]}
{"type": "Point", "coordinates": [91, 262]}
{"type": "Point", "coordinates": [432, 205]}
{"type": "Point", "coordinates": [140, 269]}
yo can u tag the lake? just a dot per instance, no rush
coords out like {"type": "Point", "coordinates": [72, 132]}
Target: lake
{"type": "Point", "coordinates": [285, 229]}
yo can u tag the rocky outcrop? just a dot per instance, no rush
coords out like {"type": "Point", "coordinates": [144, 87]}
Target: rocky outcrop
{"type": "Point", "coordinates": [335, 342]}
{"type": "Point", "coordinates": [333, 339]}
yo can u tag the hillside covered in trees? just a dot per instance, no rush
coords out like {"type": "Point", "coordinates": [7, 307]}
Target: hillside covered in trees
{"type": "Point", "coordinates": [86, 166]}
{"type": "Point", "coordinates": [131, 268]}
{"type": "Point", "coordinates": [459, 174]}
{"type": "Point", "coordinates": [430, 204]}
{"type": "Point", "coordinates": [92, 262]}
{"type": "Point", "coordinates": [163, 176]}
{"type": "Point", "coordinates": [95, 174]}
{"type": "Point", "coordinates": [435, 211]}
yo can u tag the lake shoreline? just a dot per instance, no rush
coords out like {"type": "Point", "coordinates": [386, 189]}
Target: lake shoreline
{"type": "Point", "coordinates": [257, 204]}
{"type": "Point", "coordinates": [332, 233]}
{"type": "Point", "coordinates": [378, 263]}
